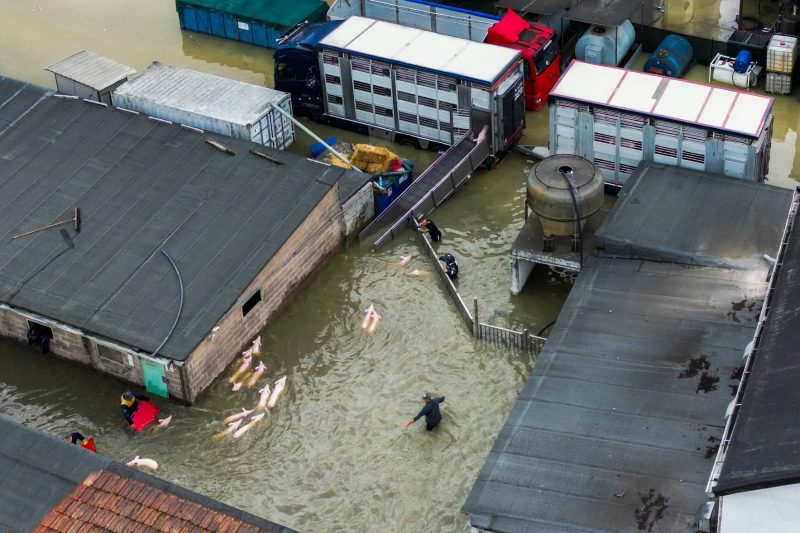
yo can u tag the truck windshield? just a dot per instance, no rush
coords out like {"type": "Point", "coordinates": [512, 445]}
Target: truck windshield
{"type": "Point", "coordinates": [284, 72]}
{"type": "Point", "coordinates": [545, 56]}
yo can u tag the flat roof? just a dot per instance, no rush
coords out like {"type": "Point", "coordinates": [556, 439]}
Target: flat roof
{"type": "Point", "coordinates": [142, 186]}
{"type": "Point", "coordinates": [617, 426]}
{"type": "Point", "coordinates": [41, 476]}
{"type": "Point", "coordinates": [92, 70]}
{"type": "Point", "coordinates": [765, 440]}
{"type": "Point", "coordinates": [697, 226]}
{"type": "Point", "coordinates": [536, 7]}
{"type": "Point", "coordinates": [200, 93]}
{"type": "Point", "coordinates": [607, 12]}
{"type": "Point", "coordinates": [698, 104]}
{"type": "Point", "coordinates": [417, 48]}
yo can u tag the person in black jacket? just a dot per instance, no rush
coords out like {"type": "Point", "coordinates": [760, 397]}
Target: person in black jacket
{"type": "Point", "coordinates": [75, 438]}
{"type": "Point", "coordinates": [129, 404]}
{"type": "Point", "coordinates": [451, 267]}
{"type": "Point", "coordinates": [430, 411]}
{"type": "Point", "coordinates": [426, 225]}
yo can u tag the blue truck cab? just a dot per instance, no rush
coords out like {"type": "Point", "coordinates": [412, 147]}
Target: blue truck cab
{"type": "Point", "coordinates": [297, 67]}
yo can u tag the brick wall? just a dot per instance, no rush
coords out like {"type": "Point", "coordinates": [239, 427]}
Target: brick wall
{"type": "Point", "coordinates": [293, 266]}
{"type": "Point", "coordinates": [69, 344]}
{"type": "Point", "coordinates": [358, 210]}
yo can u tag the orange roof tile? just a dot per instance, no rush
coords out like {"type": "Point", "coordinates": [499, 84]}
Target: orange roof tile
{"type": "Point", "coordinates": [108, 502]}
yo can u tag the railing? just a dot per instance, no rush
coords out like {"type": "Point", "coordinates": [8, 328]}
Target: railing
{"type": "Point", "coordinates": [517, 340]}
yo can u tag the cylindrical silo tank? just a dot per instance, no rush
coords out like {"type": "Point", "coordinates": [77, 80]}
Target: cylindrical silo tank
{"type": "Point", "coordinates": [603, 45]}
{"type": "Point", "coordinates": [549, 193]}
{"type": "Point", "coordinates": [672, 57]}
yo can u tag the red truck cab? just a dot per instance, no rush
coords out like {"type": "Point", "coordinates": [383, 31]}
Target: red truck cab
{"type": "Point", "coordinates": [540, 53]}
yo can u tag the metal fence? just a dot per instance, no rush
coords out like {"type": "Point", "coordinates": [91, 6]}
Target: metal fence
{"type": "Point", "coordinates": [517, 340]}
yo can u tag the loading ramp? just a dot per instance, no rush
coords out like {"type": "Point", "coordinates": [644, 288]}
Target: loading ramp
{"type": "Point", "coordinates": [435, 185]}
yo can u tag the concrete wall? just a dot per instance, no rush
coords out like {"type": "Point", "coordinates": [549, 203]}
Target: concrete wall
{"type": "Point", "coordinates": [301, 257]}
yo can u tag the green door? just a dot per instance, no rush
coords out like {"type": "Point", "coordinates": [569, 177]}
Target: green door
{"type": "Point", "coordinates": [155, 380]}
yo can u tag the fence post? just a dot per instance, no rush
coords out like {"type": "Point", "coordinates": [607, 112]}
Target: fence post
{"type": "Point", "coordinates": [476, 331]}
{"type": "Point", "coordinates": [526, 340]}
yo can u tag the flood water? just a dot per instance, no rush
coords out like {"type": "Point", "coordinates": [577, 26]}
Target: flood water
{"type": "Point", "coordinates": [333, 455]}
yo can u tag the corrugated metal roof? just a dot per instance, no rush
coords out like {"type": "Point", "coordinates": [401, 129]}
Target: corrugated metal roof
{"type": "Point", "coordinates": [617, 427]}
{"type": "Point", "coordinates": [764, 447]}
{"type": "Point", "coordinates": [141, 185]}
{"type": "Point", "coordinates": [423, 49]}
{"type": "Point", "coordinates": [92, 70]}
{"type": "Point", "coordinates": [37, 471]}
{"type": "Point", "coordinates": [201, 93]}
{"type": "Point", "coordinates": [706, 106]}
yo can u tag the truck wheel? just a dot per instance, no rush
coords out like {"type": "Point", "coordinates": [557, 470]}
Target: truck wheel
{"type": "Point", "coordinates": [407, 141]}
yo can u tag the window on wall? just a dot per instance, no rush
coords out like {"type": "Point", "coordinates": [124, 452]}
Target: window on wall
{"type": "Point", "coordinates": [112, 354]}
{"type": "Point", "coordinates": [251, 303]}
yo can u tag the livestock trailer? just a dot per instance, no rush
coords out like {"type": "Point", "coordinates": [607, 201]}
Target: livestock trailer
{"type": "Point", "coordinates": [210, 103]}
{"type": "Point", "coordinates": [409, 84]}
{"type": "Point", "coordinates": [617, 118]}
{"type": "Point", "coordinates": [257, 22]}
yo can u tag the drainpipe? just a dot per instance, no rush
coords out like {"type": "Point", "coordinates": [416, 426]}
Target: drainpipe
{"type": "Point", "coordinates": [184, 384]}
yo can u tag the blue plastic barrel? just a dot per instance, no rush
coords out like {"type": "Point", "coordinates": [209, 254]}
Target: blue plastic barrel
{"type": "Point", "coordinates": [671, 58]}
{"type": "Point", "coordinates": [318, 148]}
{"type": "Point", "coordinates": [742, 62]}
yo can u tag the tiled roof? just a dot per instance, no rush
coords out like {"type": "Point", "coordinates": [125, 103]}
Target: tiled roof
{"type": "Point", "coordinates": [105, 501]}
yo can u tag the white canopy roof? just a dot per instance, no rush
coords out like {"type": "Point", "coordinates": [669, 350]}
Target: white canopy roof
{"type": "Point", "coordinates": [419, 48]}
{"type": "Point", "coordinates": [684, 101]}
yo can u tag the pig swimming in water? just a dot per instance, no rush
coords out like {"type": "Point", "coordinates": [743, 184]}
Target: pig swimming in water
{"type": "Point", "coordinates": [257, 374]}
{"type": "Point", "coordinates": [368, 316]}
{"type": "Point", "coordinates": [253, 421]}
{"type": "Point", "coordinates": [245, 366]}
{"type": "Point", "coordinates": [164, 422]}
{"type": "Point", "coordinates": [279, 386]}
{"type": "Point", "coordinates": [256, 346]}
{"type": "Point", "coordinates": [243, 413]}
{"type": "Point", "coordinates": [404, 260]}
{"type": "Point", "coordinates": [233, 426]}
{"type": "Point", "coordinates": [262, 400]}
{"type": "Point", "coordinates": [375, 319]}
{"type": "Point", "coordinates": [147, 463]}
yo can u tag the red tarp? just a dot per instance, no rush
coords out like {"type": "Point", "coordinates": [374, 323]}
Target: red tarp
{"type": "Point", "coordinates": [145, 415]}
{"type": "Point", "coordinates": [507, 29]}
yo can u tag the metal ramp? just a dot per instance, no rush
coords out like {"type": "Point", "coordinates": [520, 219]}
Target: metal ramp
{"type": "Point", "coordinates": [439, 181]}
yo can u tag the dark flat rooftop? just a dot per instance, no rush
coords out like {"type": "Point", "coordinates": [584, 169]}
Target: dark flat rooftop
{"type": "Point", "coordinates": [765, 443]}
{"type": "Point", "coordinates": [141, 186]}
{"type": "Point", "coordinates": [695, 218]}
{"type": "Point", "coordinates": [38, 472]}
{"type": "Point", "coordinates": [617, 427]}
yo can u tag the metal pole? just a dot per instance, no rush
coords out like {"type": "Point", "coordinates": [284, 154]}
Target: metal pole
{"type": "Point", "coordinates": [476, 325]}
{"type": "Point", "coordinates": [315, 137]}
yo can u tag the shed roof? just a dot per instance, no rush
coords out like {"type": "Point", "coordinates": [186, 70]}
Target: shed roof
{"type": "Point", "coordinates": [204, 94]}
{"type": "Point", "coordinates": [56, 486]}
{"type": "Point", "coordinates": [617, 426]}
{"type": "Point", "coordinates": [764, 449]}
{"type": "Point", "coordinates": [698, 104]}
{"type": "Point", "coordinates": [92, 70]}
{"type": "Point", "coordinates": [142, 186]}
{"type": "Point", "coordinates": [381, 40]}
{"type": "Point", "coordinates": [272, 13]}
{"type": "Point", "coordinates": [537, 7]}
{"type": "Point", "coordinates": [669, 213]}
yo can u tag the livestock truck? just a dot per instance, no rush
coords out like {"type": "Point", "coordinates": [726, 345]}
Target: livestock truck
{"type": "Point", "coordinates": [538, 44]}
{"type": "Point", "coordinates": [409, 85]}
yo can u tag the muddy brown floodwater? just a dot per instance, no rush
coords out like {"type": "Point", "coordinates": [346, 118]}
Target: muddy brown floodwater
{"type": "Point", "coordinates": [333, 455]}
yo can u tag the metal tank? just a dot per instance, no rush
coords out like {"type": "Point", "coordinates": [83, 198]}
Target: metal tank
{"type": "Point", "coordinates": [672, 57]}
{"type": "Point", "coordinates": [603, 45]}
{"type": "Point", "coordinates": [550, 198]}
